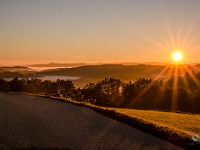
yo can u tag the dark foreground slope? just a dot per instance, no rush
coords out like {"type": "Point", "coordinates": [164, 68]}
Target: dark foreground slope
{"type": "Point", "coordinates": [33, 122]}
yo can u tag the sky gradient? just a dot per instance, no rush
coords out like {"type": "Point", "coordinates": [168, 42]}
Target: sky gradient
{"type": "Point", "coordinates": [43, 31]}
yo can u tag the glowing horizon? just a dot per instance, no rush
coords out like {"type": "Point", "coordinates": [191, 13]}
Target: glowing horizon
{"type": "Point", "coordinates": [67, 31]}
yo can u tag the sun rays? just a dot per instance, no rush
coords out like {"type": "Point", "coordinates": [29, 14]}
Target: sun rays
{"type": "Point", "coordinates": [177, 79]}
{"type": "Point", "coordinates": [176, 49]}
{"type": "Point", "coordinates": [175, 69]}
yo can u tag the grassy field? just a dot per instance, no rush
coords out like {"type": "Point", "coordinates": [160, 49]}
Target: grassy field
{"type": "Point", "coordinates": [187, 123]}
{"type": "Point", "coordinates": [176, 128]}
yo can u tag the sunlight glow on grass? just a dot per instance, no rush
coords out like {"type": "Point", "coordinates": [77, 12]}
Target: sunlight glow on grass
{"type": "Point", "coordinates": [184, 122]}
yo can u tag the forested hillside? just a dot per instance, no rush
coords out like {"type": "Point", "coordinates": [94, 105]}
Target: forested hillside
{"type": "Point", "coordinates": [179, 93]}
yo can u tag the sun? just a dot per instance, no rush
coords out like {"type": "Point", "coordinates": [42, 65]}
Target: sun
{"type": "Point", "coordinates": [177, 56]}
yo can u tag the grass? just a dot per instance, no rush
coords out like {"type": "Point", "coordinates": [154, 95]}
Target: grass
{"type": "Point", "coordinates": [187, 123]}
{"type": "Point", "coordinates": [174, 127]}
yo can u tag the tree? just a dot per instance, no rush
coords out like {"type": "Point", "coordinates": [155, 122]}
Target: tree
{"type": "Point", "coordinates": [150, 94]}
{"type": "Point", "coordinates": [48, 88]}
{"type": "Point", "coordinates": [133, 93]}
{"type": "Point", "coordinates": [65, 88]}
{"type": "Point", "coordinates": [129, 92]}
{"type": "Point", "coordinates": [3, 85]}
{"type": "Point", "coordinates": [16, 85]}
{"type": "Point", "coordinates": [196, 102]}
{"type": "Point", "coordinates": [184, 99]}
{"type": "Point", "coordinates": [33, 85]}
{"type": "Point", "coordinates": [90, 93]}
{"type": "Point", "coordinates": [104, 93]}
{"type": "Point", "coordinates": [111, 92]}
{"type": "Point", "coordinates": [141, 84]}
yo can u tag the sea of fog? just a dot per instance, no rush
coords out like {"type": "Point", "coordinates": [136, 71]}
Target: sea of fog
{"type": "Point", "coordinates": [48, 77]}
{"type": "Point", "coordinates": [51, 78]}
{"type": "Point", "coordinates": [54, 78]}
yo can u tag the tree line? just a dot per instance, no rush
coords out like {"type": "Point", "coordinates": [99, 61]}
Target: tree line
{"type": "Point", "coordinates": [179, 93]}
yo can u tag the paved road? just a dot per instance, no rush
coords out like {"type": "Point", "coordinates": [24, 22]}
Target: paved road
{"type": "Point", "coordinates": [28, 122]}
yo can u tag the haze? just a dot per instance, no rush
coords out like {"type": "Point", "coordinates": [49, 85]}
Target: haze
{"type": "Point", "coordinates": [98, 31]}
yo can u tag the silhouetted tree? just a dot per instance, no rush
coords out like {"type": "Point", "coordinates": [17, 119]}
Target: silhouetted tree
{"type": "Point", "coordinates": [104, 93]}
{"type": "Point", "coordinates": [3, 85]}
{"type": "Point", "coordinates": [76, 94]}
{"type": "Point", "coordinates": [16, 85]}
{"type": "Point", "coordinates": [129, 92]}
{"type": "Point", "coordinates": [65, 88]}
{"type": "Point", "coordinates": [167, 99]}
{"type": "Point", "coordinates": [196, 102]}
{"type": "Point", "coordinates": [133, 93]}
{"type": "Point", "coordinates": [184, 99]}
{"type": "Point", "coordinates": [111, 90]}
{"type": "Point", "coordinates": [90, 93]}
{"type": "Point", "coordinates": [48, 88]}
{"type": "Point", "coordinates": [150, 95]}
{"type": "Point", "coordinates": [142, 94]}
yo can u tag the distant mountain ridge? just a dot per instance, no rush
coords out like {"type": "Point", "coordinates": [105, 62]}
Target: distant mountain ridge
{"type": "Point", "coordinates": [14, 67]}
{"type": "Point", "coordinates": [107, 70]}
{"type": "Point", "coordinates": [57, 65]}
{"type": "Point", "coordinates": [94, 73]}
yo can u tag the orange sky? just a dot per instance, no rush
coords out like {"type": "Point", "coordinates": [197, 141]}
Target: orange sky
{"type": "Point", "coordinates": [98, 31]}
